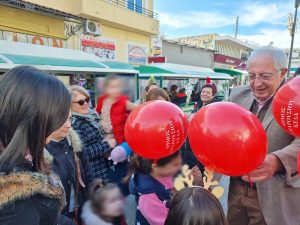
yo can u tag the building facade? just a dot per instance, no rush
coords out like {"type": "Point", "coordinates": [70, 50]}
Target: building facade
{"type": "Point", "coordinates": [295, 58]}
{"type": "Point", "coordinates": [22, 23]}
{"type": "Point", "coordinates": [120, 30]}
{"type": "Point", "coordinates": [114, 30]}
{"type": "Point", "coordinates": [229, 52]}
{"type": "Point", "coordinates": [179, 53]}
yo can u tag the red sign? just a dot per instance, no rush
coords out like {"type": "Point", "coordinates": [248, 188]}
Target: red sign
{"type": "Point", "coordinates": [160, 59]}
{"type": "Point", "coordinates": [227, 60]}
{"type": "Point", "coordinates": [97, 44]}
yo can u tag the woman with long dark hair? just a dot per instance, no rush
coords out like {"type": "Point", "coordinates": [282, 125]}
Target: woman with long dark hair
{"type": "Point", "coordinates": [33, 105]}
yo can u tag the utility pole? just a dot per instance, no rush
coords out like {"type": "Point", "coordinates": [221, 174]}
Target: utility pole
{"type": "Point", "coordinates": [293, 31]}
{"type": "Point", "coordinates": [236, 27]}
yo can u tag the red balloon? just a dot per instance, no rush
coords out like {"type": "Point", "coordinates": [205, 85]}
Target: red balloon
{"type": "Point", "coordinates": [228, 139]}
{"type": "Point", "coordinates": [156, 129]}
{"type": "Point", "coordinates": [286, 107]}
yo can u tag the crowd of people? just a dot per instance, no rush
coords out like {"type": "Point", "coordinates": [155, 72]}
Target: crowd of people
{"type": "Point", "coordinates": [55, 156]}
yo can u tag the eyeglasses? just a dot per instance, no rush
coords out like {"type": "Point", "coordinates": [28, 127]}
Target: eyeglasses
{"type": "Point", "coordinates": [82, 101]}
{"type": "Point", "coordinates": [261, 77]}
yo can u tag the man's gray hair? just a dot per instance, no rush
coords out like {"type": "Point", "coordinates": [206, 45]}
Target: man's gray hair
{"type": "Point", "coordinates": [278, 55]}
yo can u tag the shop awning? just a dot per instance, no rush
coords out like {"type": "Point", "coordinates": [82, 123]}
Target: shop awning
{"type": "Point", "coordinates": [152, 70]}
{"type": "Point", "coordinates": [231, 72]}
{"type": "Point", "coordinates": [117, 65]}
{"type": "Point", "coordinates": [36, 60]}
{"type": "Point", "coordinates": [180, 71]}
{"type": "Point", "coordinates": [57, 60]}
{"type": "Point", "coordinates": [293, 70]}
{"type": "Point", "coordinates": [2, 60]}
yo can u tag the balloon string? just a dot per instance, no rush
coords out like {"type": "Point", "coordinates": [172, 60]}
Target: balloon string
{"type": "Point", "coordinates": [250, 181]}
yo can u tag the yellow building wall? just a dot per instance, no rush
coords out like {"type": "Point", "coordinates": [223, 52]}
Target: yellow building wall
{"type": "Point", "coordinates": [114, 15]}
{"type": "Point", "coordinates": [107, 13]}
{"type": "Point", "coordinates": [21, 21]}
{"type": "Point", "coordinates": [69, 6]}
{"type": "Point", "coordinates": [122, 37]}
{"type": "Point", "coordinates": [120, 24]}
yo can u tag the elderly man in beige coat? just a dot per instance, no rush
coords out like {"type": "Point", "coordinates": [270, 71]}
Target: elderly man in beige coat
{"type": "Point", "coordinates": [274, 198]}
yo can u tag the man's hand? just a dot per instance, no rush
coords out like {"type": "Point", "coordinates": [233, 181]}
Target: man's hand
{"type": "Point", "coordinates": [266, 170]}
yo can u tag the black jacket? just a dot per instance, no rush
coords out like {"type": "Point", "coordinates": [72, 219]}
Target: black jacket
{"type": "Point", "coordinates": [63, 163]}
{"type": "Point", "coordinates": [29, 198]}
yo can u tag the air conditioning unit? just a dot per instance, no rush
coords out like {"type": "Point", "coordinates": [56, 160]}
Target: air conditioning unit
{"type": "Point", "coordinates": [92, 28]}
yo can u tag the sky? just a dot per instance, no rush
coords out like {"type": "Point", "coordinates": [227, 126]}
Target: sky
{"type": "Point", "coordinates": [260, 21]}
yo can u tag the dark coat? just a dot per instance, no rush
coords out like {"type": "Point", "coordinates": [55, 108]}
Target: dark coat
{"type": "Point", "coordinates": [179, 99]}
{"type": "Point", "coordinates": [29, 198]}
{"type": "Point", "coordinates": [89, 131]}
{"type": "Point", "coordinates": [64, 165]}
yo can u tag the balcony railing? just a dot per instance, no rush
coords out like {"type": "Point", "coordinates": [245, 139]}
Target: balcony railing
{"type": "Point", "coordinates": [134, 7]}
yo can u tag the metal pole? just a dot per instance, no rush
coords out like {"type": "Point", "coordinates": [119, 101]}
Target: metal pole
{"type": "Point", "coordinates": [236, 27]}
{"type": "Point", "coordinates": [293, 35]}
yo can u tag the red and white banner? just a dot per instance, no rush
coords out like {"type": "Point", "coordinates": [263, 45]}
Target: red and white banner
{"type": "Point", "coordinates": [104, 48]}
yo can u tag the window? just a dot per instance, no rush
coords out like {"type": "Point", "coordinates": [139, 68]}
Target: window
{"type": "Point", "coordinates": [135, 5]}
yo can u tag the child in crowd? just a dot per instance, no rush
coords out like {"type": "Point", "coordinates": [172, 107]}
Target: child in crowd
{"type": "Point", "coordinates": [113, 108]}
{"type": "Point", "coordinates": [152, 183]}
{"type": "Point", "coordinates": [195, 205]}
{"type": "Point", "coordinates": [105, 206]}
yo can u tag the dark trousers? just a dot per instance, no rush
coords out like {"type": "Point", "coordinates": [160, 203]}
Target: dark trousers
{"type": "Point", "coordinates": [243, 204]}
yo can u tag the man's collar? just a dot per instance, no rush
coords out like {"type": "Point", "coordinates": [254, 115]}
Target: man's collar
{"type": "Point", "coordinates": [262, 103]}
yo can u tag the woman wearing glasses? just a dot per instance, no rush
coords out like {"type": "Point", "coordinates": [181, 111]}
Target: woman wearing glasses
{"type": "Point", "coordinates": [86, 124]}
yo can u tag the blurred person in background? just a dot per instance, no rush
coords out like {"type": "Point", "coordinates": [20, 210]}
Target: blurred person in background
{"type": "Point", "coordinates": [173, 92]}
{"type": "Point", "coordinates": [114, 108]}
{"type": "Point", "coordinates": [194, 96]}
{"type": "Point", "coordinates": [148, 88]}
{"type": "Point", "coordinates": [86, 122]}
{"type": "Point", "coordinates": [105, 205]}
{"type": "Point", "coordinates": [34, 104]}
{"type": "Point", "coordinates": [67, 159]}
{"type": "Point", "coordinates": [180, 98]}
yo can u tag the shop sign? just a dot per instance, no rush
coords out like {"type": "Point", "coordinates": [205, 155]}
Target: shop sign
{"type": "Point", "coordinates": [218, 58]}
{"type": "Point", "coordinates": [160, 59]}
{"type": "Point", "coordinates": [137, 54]}
{"type": "Point", "coordinates": [32, 39]}
{"type": "Point", "coordinates": [104, 48]}
{"type": "Point", "coordinates": [156, 46]}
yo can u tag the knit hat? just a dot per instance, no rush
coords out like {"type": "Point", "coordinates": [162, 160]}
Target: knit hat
{"type": "Point", "coordinates": [211, 85]}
